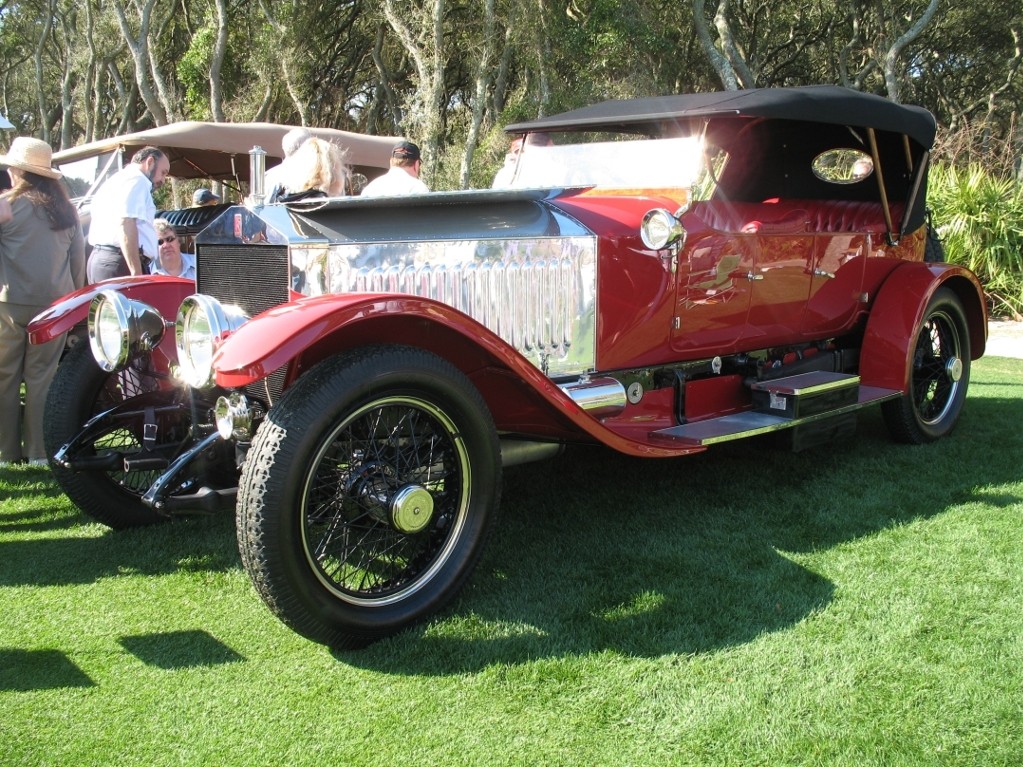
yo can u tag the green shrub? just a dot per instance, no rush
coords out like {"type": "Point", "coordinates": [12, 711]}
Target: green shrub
{"type": "Point", "coordinates": [980, 219]}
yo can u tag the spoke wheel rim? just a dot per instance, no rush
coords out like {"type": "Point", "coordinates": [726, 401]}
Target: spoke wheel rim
{"type": "Point", "coordinates": [937, 368]}
{"type": "Point", "coordinates": [355, 504]}
{"type": "Point", "coordinates": [126, 439]}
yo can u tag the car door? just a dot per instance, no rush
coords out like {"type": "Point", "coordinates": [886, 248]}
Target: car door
{"type": "Point", "coordinates": [715, 277]}
{"type": "Point", "coordinates": [780, 285]}
{"type": "Point", "coordinates": [836, 287]}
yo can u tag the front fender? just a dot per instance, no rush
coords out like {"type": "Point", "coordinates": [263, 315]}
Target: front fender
{"type": "Point", "coordinates": [310, 329]}
{"type": "Point", "coordinates": [285, 333]}
{"type": "Point", "coordinates": [898, 309]}
{"type": "Point", "coordinates": [163, 293]}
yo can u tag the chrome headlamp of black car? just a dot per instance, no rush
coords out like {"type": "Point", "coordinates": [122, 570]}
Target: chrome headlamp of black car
{"type": "Point", "coordinates": [202, 325]}
{"type": "Point", "coordinates": [661, 229]}
{"type": "Point", "coordinates": [120, 328]}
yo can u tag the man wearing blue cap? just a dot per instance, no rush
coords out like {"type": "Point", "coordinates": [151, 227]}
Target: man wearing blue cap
{"type": "Point", "coordinates": [204, 197]}
{"type": "Point", "coordinates": [403, 177]}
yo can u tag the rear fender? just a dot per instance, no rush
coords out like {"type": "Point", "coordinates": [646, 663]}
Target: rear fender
{"type": "Point", "coordinates": [163, 293]}
{"type": "Point", "coordinates": [521, 398]}
{"type": "Point", "coordinates": [886, 358]}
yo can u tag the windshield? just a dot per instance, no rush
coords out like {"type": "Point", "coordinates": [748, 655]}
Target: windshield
{"type": "Point", "coordinates": [83, 176]}
{"type": "Point", "coordinates": [634, 163]}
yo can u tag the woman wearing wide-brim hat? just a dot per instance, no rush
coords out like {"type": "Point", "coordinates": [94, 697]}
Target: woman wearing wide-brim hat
{"type": "Point", "coordinates": [42, 258]}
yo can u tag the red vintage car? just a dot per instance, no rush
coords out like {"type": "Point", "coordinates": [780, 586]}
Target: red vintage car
{"type": "Point", "coordinates": [660, 275]}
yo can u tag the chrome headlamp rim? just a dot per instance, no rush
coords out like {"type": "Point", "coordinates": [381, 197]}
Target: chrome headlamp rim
{"type": "Point", "coordinates": [197, 345]}
{"type": "Point", "coordinates": [233, 417]}
{"type": "Point", "coordinates": [661, 229]}
{"type": "Point", "coordinates": [139, 328]}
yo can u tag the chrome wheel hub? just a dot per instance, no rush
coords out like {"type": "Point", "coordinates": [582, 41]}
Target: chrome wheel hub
{"type": "Point", "coordinates": [954, 369]}
{"type": "Point", "coordinates": [411, 509]}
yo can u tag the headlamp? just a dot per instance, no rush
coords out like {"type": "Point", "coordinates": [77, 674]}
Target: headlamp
{"type": "Point", "coordinates": [120, 328]}
{"type": "Point", "coordinates": [661, 229]}
{"type": "Point", "coordinates": [202, 325]}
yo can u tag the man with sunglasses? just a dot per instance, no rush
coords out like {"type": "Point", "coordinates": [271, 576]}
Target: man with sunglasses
{"type": "Point", "coordinates": [171, 260]}
{"type": "Point", "coordinates": [121, 231]}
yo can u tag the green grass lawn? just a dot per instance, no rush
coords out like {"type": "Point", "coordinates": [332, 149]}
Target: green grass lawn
{"type": "Point", "coordinates": [854, 605]}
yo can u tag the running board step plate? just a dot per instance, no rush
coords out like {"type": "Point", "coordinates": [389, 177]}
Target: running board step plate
{"type": "Point", "coordinates": [750, 423]}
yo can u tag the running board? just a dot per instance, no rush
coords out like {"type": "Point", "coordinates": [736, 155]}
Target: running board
{"type": "Point", "coordinates": [784, 403]}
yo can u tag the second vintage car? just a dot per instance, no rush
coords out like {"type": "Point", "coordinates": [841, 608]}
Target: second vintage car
{"type": "Point", "coordinates": [662, 275]}
{"type": "Point", "coordinates": [205, 152]}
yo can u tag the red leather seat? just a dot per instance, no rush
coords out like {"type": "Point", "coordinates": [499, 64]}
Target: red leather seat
{"type": "Point", "coordinates": [795, 216]}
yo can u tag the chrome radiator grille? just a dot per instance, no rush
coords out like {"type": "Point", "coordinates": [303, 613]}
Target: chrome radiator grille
{"type": "Point", "coordinates": [254, 277]}
{"type": "Point", "coordinates": [538, 294]}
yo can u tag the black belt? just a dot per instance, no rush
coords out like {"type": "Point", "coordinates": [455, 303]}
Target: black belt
{"type": "Point", "coordinates": [113, 249]}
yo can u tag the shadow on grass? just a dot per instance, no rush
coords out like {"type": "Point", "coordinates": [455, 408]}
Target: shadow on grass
{"type": "Point", "coordinates": [28, 670]}
{"type": "Point", "coordinates": [45, 514]}
{"type": "Point", "coordinates": [180, 649]}
{"type": "Point", "coordinates": [38, 519]}
{"type": "Point", "coordinates": [597, 552]}
{"type": "Point", "coordinates": [200, 543]}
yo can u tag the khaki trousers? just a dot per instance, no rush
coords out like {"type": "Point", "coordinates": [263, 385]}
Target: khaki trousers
{"type": "Point", "coordinates": [35, 365]}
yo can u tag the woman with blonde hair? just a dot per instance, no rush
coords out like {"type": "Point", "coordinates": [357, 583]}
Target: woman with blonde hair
{"type": "Point", "coordinates": [316, 169]}
{"type": "Point", "coordinates": [42, 257]}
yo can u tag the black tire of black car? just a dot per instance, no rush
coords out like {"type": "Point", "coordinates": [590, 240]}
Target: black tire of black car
{"type": "Point", "coordinates": [70, 402]}
{"type": "Point", "coordinates": [931, 408]}
{"type": "Point", "coordinates": [320, 460]}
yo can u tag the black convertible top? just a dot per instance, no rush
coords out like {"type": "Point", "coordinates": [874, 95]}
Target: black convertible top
{"type": "Point", "coordinates": [827, 104]}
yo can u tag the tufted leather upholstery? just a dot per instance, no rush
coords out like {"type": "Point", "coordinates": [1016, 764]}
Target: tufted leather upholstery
{"type": "Point", "coordinates": [794, 216]}
{"type": "Point", "coordinates": [845, 216]}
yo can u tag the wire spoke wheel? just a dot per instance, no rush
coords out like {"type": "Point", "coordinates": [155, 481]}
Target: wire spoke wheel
{"type": "Point", "coordinates": [81, 390]}
{"type": "Point", "coordinates": [384, 500]}
{"type": "Point", "coordinates": [937, 367]}
{"type": "Point", "coordinates": [368, 494]}
{"type": "Point", "coordinates": [939, 375]}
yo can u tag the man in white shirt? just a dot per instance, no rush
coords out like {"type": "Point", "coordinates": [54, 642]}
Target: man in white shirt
{"type": "Point", "coordinates": [121, 231]}
{"type": "Point", "coordinates": [403, 177]}
{"type": "Point", "coordinates": [506, 174]}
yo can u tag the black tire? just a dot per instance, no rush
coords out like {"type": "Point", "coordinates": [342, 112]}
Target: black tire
{"type": "Point", "coordinates": [939, 378]}
{"type": "Point", "coordinates": [329, 516]}
{"type": "Point", "coordinates": [79, 391]}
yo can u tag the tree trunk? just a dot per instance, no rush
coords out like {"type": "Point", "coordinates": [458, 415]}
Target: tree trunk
{"type": "Point", "coordinates": [892, 70]}
{"type": "Point", "coordinates": [427, 51]}
{"type": "Point", "coordinates": [479, 101]}
{"type": "Point", "coordinates": [729, 48]}
{"type": "Point", "coordinates": [286, 67]}
{"type": "Point", "coordinates": [217, 63]}
{"type": "Point", "coordinates": [44, 35]}
{"type": "Point", "coordinates": [139, 47]}
{"type": "Point", "coordinates": [724, 69]}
